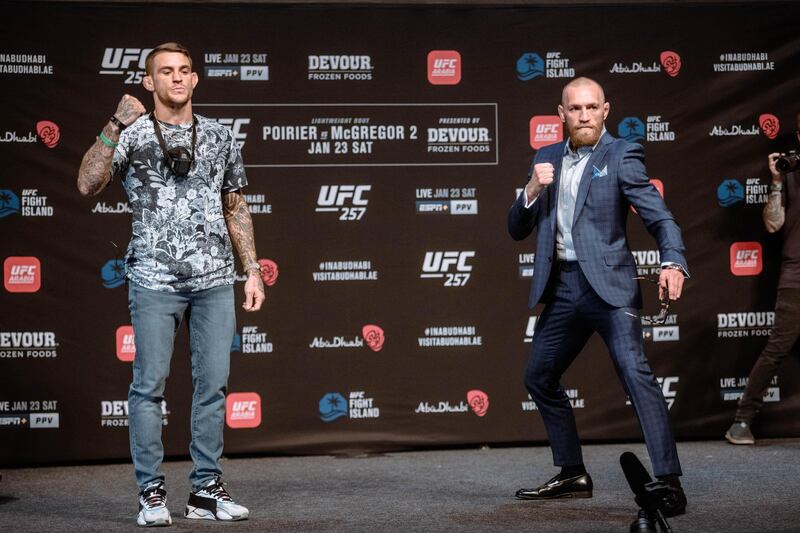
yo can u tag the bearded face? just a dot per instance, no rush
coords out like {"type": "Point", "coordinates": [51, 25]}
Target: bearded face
{"type": "Point", "coordinates": [584, 110]}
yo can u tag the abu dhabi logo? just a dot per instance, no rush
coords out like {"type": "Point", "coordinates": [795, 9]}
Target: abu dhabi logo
{"type": "Point", "coordinates": [671, 62]}
{"type": "Point", "coordinates": [530, 65]}
{"type": "Point", "coordinates": [48, 132]}
{"type": "Point", "coordinates": [478, 401]}
{"type": "Point", "coordinates": [269, 272]}
{"type": "Point", "coordinates": [9, 203]}
{"type": "Point", "coordinates": [373, 336]}
{"type": "Point", "coordinates": [770, 125]}
{"type": "Point", "coordinates": [113, 273]}
{"type": "Point", "coordinates": [631, 129]}
{"type": "Point", "coordinates": [729, 192]}
{"type": "Point", "coordinates": [332, 406]}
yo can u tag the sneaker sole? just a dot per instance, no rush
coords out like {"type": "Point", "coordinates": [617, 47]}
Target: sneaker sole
{"type": "Point", "coordinates": [198, 513]}
{"type": "Point", "coordinates": [155, 523]}
{"type": "Point", "coordinates": [734, 440]}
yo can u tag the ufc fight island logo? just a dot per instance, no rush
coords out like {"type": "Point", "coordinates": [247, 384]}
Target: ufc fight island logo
{"type": "Point", "coordinates": [347, 200]}
{"type": "Point", "coordinates": [126, 62]}
{"type": "Point", "coordinates": [452, 266]}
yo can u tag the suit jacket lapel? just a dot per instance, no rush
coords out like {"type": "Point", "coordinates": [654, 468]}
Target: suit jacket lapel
{"type": "Point", "coordinates": [586, 177]}
{"type": "Point", "coordinates": [552, 190]}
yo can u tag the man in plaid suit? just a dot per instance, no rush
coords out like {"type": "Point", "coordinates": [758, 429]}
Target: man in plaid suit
{"type": "Point", "coordinates": [579, 196]}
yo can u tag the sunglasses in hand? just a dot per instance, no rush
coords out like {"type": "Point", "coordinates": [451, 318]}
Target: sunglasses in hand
{"type": "Point", "coordinates": [661, 318]}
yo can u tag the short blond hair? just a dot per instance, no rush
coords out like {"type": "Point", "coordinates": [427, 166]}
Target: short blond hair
{"type": "Point", "coordinates": [165, 47]}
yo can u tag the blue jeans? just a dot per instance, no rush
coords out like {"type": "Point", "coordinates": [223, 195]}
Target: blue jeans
{"type": "Point", "coordinates": [155, 316]}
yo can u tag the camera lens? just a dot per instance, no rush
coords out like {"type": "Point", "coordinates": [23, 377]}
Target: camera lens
{"type": "Point", "coordinates": [788, 163]}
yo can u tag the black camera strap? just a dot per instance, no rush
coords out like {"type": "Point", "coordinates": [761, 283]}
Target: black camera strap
{"type": "Point", "coordinates": [163, 144]}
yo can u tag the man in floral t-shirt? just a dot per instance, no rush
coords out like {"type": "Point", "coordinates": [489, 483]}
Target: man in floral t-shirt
{"type": "Point", "coordinates": [183, 174]}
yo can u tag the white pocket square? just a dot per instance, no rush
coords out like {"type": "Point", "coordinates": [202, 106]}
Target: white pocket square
{"type": "Point", "coordinates": [597, 173]}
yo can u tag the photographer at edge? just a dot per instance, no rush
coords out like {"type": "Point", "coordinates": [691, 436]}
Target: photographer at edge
{"type": "Point", "coordinates": [782, 210]}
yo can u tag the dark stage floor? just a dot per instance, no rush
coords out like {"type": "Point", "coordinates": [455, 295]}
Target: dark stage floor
{"type": "Point", "coordinates": [731, 489]}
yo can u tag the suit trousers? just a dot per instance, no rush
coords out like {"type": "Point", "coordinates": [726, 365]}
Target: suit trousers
{"type": "Point", "coordinates": [573, 314]}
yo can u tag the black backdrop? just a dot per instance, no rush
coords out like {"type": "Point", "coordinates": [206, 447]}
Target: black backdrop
{"type": "Point", "coordinates": [401, 226]}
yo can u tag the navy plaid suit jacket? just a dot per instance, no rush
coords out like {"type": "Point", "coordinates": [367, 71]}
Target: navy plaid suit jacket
{"type": "Point", "coordinates": [601, 211]}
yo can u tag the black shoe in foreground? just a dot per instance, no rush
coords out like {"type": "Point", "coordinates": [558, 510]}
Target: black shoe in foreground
{"type": "Point", "coordinates": [671, 499]}
{"type": "Point", "coordinates": [571, 487]}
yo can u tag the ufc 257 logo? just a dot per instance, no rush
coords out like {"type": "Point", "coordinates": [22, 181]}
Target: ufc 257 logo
{"type": "Point", "coordinates": [127, 62]}
{"type": "Point", "coordinates": [347, 200]}
{"type": "Point", "coordinates": [453, 266]}
{"type": "Point", "coordinates": [236, 125]}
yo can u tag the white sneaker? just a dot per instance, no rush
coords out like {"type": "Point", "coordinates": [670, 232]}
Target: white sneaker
{"type": "Point", "coordinates": [212, 502]}
{"type": "Point", "coordinates": [153, 506]}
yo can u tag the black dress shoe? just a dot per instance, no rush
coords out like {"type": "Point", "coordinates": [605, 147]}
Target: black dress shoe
{"type": "Point", "coordinates": [571, 487]}
{"type": "Point", "coordinates": [670, 499]}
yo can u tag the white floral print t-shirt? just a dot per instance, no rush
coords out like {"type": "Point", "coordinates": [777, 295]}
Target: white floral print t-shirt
{"type": "Point", "coordinates": [179, 242]}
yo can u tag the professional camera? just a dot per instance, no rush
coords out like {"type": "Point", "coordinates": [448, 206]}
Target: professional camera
{"type": "Point", "coordinates": [788, 162]}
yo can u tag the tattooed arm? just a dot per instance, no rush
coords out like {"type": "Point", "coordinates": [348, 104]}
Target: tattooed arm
{"type": "Point", "coordinates": [774, 212]}
{"type": "Point", "coordinates": [240, 228]}
{"type": "Point", "coordinates": [95, 171]}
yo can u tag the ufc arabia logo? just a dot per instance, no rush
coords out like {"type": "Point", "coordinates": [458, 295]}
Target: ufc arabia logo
{"type": "Point", "coordinates": [444, 67]}
{"type": "Point", "coordinates": [128, 62]}
{"type": "Point", "coordinates": [347, 200]}
{"type": "Point", "coordinates": [746, 258]}
{"type": "Point", "coordinates": [450, 265]}
{"type": "Point", "coordinates": [236, 125]}
{"type": "Point", "coordinates": [243, 410]}
{"type": "Point", "coordinates": [22, 274]}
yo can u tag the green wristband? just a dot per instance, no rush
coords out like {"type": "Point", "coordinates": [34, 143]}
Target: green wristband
{"type": "Point", "coordinates": [108, 142]}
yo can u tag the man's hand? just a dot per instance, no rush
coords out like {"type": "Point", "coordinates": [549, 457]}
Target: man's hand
{"type": "Point", "coordinates": [670, 283]}
{"type": "Point", "coordinates": [771, 159]}
{"type": "Point", "coordinates": [129, 109]}
{"type": "Point", "coordinates": [95, 171]}
{"type": "Point", "coordinates": [542, 176]}
{"type": "Point", "coordinates": [253, 292]}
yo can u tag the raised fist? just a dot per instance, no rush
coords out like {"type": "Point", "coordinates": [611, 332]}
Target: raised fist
{"type": "Point", "coordinates": [129, 109]}
{"type": "Point", "coordinates": [541, 177]}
